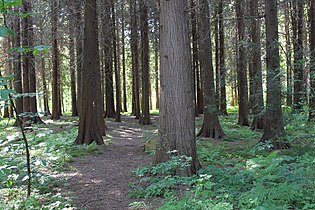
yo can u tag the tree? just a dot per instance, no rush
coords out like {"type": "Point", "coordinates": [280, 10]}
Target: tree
{"type": "Point", "coordinates": [273, 122]}
{"type": "Point", "coordinates": [211, 126]}
{"type": "Point", "coordinates": [241, 66]}
{"type": "Point", "coordinates": [223, 104]}
{"type": "Point", "coordinates": [108, 53]}
{"type": "Point", "coordinates": [17, 68]}
{"type": "Point", "coordinates": [312, 64]}
{"type": "Point", "coordinates": [74, 108]}
{"type": "Point", "coordinates": [91, 125]}
{"type": "Point", "coordinates": [56, 112]}
{"type": "Point", "coordinates": [145, 55]}
{"type": "Point", "coordinates": [125, 109]}
{"type": "Point", "coordinates": [256, 72]}
{"type": "Point", "coordinates": [135, 59]}
{"type": "Point", "coordinates": [177, 127]}
{"type": "Point", "coordinates": [298, 37]}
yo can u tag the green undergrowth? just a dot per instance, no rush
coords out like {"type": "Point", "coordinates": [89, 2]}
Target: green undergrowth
{"type": "Point", "coordinates": [52, 150]}
{"type": "Point", "coordinates": [238, 173]}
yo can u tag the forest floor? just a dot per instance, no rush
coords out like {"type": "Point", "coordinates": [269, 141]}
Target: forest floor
{"type": "Point", "coordinates": [101, 181]}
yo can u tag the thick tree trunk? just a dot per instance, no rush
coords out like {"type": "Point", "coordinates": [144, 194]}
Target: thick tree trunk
{"type": "Point", "coordinates": [241, 67]}
{"type": "Point", "coordinates": [211, 126]}
{"type": "Point", "coordinates": [273, 123]}
{"type": "Point", "coordinates": [56, 110]}
{"type": "Point", "coordinates": [177, 118]}
{"type": "Point", "coordinates": [223, 105]}
{"type": "Point", "coordinates": [90, 128]}
{"type": "Point", "coordinates": [256, 79]}
{"type": "Point", "coordinates": [312, 64]}
{"type": "Point", "coordinates": [145, 56]}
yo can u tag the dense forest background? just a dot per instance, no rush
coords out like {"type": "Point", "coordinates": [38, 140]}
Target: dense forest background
{"type": "Point", "coordinates": [202, 65]}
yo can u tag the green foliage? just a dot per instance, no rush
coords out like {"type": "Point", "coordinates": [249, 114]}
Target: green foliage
{"type": "Point", "coordinates": [50, 152]}
{"type": "Point", "coordinates": [236, 174]}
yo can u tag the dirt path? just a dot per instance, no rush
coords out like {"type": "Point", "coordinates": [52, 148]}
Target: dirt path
{"type": "Point", "coordinates": [101, 181]}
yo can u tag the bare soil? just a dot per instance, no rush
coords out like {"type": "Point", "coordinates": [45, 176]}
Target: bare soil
{"type": "Point", "coordinates": [102, 181]}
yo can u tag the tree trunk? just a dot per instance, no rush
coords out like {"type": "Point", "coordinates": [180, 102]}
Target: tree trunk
{"type": "Point", "coordinates": [109, 83]}
{"type": "Point", "coordinates": [288, 54]}
{"type": "Point", "coordinates": [116, 64]}
{"type": "Point", "coordinates": [79, 50]}
{"type": "Point", "coordinates": [223, 105]}
{"type": "Point", "coordinates": [74, 108]}
{"type": "Point", "coordinates": [217, 57]}
{"type": "Point", "coordinates": [26, 87]}
{"type": "Point", "coordinates": [56, 111]}
{"type": "Point", "coordinates": [45, 89]}
{"type": "Point", "coordinates": [123, 56]}
{"type": "Point", "coordinates": [297, 26]}
{"type": "Point", "coordinates": [134, 55]}
{"type": "Point", "coordinates": [145, 55]}
{"type": "Point", "coordinates": [241, 67]}
{"type": "Point", "coordinates": [177, 118]}
{"type": "Point", "coordinates": [312, 64]}
{"type": "Point", "coordinates": [256, 79]}
{"type": "Point", "coordinates": [273, 122]}
{"type": "Point", "coordinates": [90, 129]}
{"type": "Point", "coordinates": [211, 125]}
{"type": "Point", "coordinates": [17, 68]}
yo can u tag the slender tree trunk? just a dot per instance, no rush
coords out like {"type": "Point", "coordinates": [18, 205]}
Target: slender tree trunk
{"type": "Point", "coordinates": [123, 56]}
{"type": "Point", "coordinates": [90, 129]}
{"type": "Point", "coordinates": [256, 80]}
{"type": "Point", "coordinates": [273, 123]}
{"type": "Point", "coordinates": [177, 118]}
{"type": "Point", "coordinates": [211, 125]}
{"type": "Point", "coordinates": [56, 111]}
{"type": "Point", "coordinates": [45, 89]}
{"type": "Point", "coordinates": [217, 57]}
{"type": "Point", "coordinates": [288, 54]}
{"type": "Point", "coordinates": [223, 105]}
{"type": "Point", "coordinates": [312, 64]}
{"type": "Point", "coordinates": [116, 64]}
{"type": "Point", "coordinates": [79, 49]}
{"type": "Point", "coordinates": [74, 108]}
{"type": "Point", "coordinates": [145, 55]}
{"type": "Point", "coordinates": [109, 83]}
{"type": "Point", "coordinates": [298, 36]}
{"type": "Point", "coordinates": [241, 67]}
{"type": "Point", "coordinates": [17, 68]}
{"type": "Point", "coordinates": [156, 63]}
{"type": "Point", "coordinates": [134, 55]}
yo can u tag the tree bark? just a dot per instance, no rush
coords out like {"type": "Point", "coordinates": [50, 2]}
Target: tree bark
{"type": "Point", "coordinates": [177, 118]}
{"type": "Point", "coordinates": [256, 79]}
{"type": "Point", "coordinates": [90, 128]}
{"type": "Point", "coordinates": [273, 122]}
{"type": "Point", "coordinates": [312, 63]}
{"type": "Point", "coordinates": [223, 105]}
{"type": "Point", "coordinates": [134, 55]}
{"type": "Point", "coordinates": [145, 54]}
{"type": "Point", "coordinates": [241, 67]}
{"type": "Point", "coordinates": [288, 54]}
{"type": "Point", "coordinates": [56, 110]}
{"type": "Point", "coordinates": [125, 109]}
{"type": "Point", "coordinates": [211, 125]}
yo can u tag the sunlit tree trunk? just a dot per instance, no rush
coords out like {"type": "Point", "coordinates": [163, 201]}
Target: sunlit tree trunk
{"type": "Point", "coordinates": [177, 117]}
